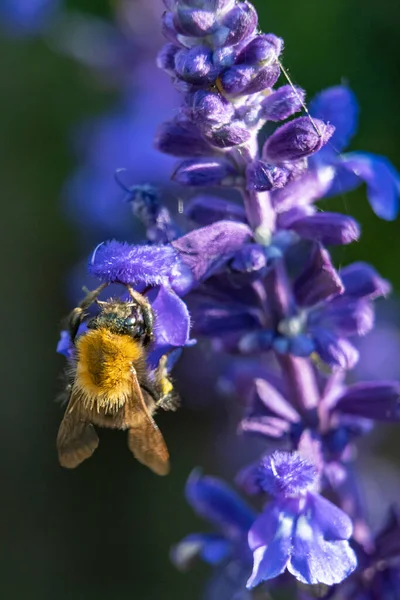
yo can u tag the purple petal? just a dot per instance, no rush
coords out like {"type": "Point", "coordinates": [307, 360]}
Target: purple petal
{"type": "Point", "coordinates": [269, 427]}
{"type": "Point", "coordinates": [335, 351]}
{"type": "Point", "coordinates": [344, 316]}
{"type": "Point", "coordinates": [379, 401]}
{"type": "Point", "coordinates": [304, 190]}
{"type": "Point", "coordinates": [286, 474]}
{"type": "Point", "coordinates": [207, 249]}
{"type": "Point", "coordinates": [172, 319]}
{"type": "Point", "coordinates": [338, 106]}
{"type": "Point", "coordinates": [296, 139]}
{"type": "Point", "coordinates": [65, 345]}
{"type": "Point", "coordinates": [204, 210]}
{"type": "Point", "coordinates": [361, 280]}
{"type": "Point", "coordinates": [316, 560]}
{"type": "Point", "coordinates": [211, 548]}
{"type": "Point", "coordinates": [215, 501]}
{"type": "Point", "coordinates": [207, 171]}
{"type": "Point", "coordinates": [318, 281]}
{"type": "Point", "coordinates": [333, 523]}
{"type": "Point", "coordinates": [124, 263]}
{"type": "Point", "coordinates": [382, 181]}
{"type": "Point", "coordinates": [328, 228]}
{"type": "Point", "coordinates": [270, 539]}
{"type": "Point", "coordinates": [275, 402]}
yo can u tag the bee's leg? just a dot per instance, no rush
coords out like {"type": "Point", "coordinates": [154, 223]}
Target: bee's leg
{"type": "Point", "coordinates": [148, 315]}
{"type": "Point", "coordinates": [76, 316]}
{"type": "Point", "coordinates": [168, 399]}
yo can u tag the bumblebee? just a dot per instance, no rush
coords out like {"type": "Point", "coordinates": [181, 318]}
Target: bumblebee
{"type": "Point", "coordinates": [110, 384]}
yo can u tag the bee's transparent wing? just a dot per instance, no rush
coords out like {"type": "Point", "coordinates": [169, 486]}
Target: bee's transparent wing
{"type": "Point", "coordinates": [144, 438]}
{"type": "Point", "coordinates": [77, 438]}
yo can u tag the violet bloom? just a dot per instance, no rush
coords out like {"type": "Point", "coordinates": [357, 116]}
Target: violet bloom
{"type": "Point", "coordinates": [227, 550]}
{"type": "Point", "coordinates": [320, 310]}
{"type": "Point", "coordinates": [335, 415]}
{"type": "Point", "coordinates": [299, 530]}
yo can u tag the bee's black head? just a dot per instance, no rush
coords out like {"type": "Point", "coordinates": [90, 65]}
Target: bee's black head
{"type": "Point", "coordinates": [125, 318]}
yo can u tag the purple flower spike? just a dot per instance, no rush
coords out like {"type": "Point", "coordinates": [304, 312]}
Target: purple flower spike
{"type": "Point", "coordinates": [251, 259]}
{"type": "Point", "coordinates": [297, 139]}
{"type": "Point", "coordinates": [299, 531]}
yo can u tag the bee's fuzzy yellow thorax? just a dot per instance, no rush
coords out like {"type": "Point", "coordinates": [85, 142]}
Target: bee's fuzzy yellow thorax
{"type": "Point", "coordinates": [103, 374]}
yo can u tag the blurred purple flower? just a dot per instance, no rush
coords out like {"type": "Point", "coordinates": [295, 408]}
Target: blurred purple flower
{"type": "Point", "coordinates": [28, 17]}
{"type": "Point", "coordinates": [215, 502]}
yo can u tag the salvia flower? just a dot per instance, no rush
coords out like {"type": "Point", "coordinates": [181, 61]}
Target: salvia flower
{"type": "Point", "coordinates": [299, 530]}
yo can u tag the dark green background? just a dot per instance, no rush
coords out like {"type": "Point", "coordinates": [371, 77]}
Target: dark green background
{"type": "Point", "coordinates": [104, 530]}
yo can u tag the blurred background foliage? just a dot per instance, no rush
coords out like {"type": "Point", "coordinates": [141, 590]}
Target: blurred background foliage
{"type": "Point", "coordinates": [104, 530]}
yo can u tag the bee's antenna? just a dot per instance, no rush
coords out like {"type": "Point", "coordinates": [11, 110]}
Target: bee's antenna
{"type": "Point", "coordinates": [286, 74]}
{"type": "Point", "coordinates": [119, 180]}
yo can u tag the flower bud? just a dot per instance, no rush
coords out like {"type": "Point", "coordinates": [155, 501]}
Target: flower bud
{"type": "Point", "coordinates": [195, 65]}
{"type": "Point", "coordinates": [297, 139]}
{"type": "Point", "coordinates": [282, 103]}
